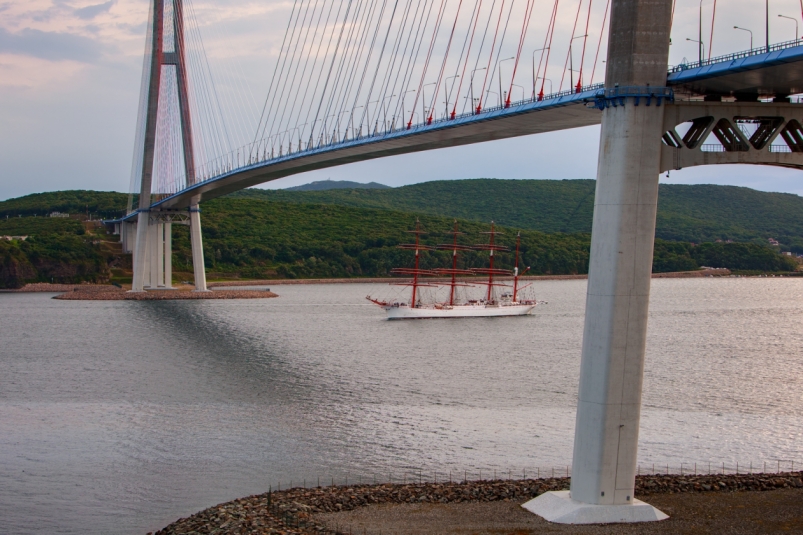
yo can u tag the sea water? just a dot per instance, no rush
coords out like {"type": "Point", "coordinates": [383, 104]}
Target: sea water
{"type": "Point", "coordinates": [120, 417]}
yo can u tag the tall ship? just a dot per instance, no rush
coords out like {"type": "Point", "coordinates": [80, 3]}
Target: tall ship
{"type": "Point", "coordinates": [503, 296]}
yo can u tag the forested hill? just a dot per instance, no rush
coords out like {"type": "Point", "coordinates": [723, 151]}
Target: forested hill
{"type": "Point", "coordinates": [257, 238]}
{"type": "Point", "coordinates": [685, 213]}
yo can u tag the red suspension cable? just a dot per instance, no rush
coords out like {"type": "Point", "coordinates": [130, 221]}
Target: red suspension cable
{"type": "Point", "coordinates": [443, 65]}
{"type": "Point", "coordinates": [599, 44]}
{"type": "Point", "coordinates": [548, 48]}
{"type": "Point", "coordinates": [711, 39]}
{"type": "Point", "coordinates": [528, 12]}
{"type": "Point", "coordinates": [490, 58]}
{"type": "Point", "coordinates": [571, 38]}
{"type": "Point", "coordinates": [465, 64]}
{"type": "Point", "coordinates": [426, 63]}
{"type": "Point", "coordinates": [583, 55]}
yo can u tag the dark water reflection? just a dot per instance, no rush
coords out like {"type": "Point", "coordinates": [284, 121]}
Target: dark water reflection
{"type": "Point", "coordinates": [121, 417]}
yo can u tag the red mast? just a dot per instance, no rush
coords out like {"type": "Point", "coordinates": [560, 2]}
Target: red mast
{"type": "Point", "coordinates": [491, 271]}
{"type": "Point", "coordinates": [454, 272]}
{"type": "Point", "coordinates": [415, 272]}
{"type": "Point", "coordinates": [516, 273]}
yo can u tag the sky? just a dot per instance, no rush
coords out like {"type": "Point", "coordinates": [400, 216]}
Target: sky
{"type": "Point", "coordinates": [70, 77]}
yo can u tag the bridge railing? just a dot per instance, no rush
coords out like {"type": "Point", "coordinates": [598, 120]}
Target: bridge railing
{"type": "Point", "coordinates": [736, 55]}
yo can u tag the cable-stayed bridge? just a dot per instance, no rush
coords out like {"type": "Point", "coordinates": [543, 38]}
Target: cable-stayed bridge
{"type": "Point", "coordinates": [360, 79]}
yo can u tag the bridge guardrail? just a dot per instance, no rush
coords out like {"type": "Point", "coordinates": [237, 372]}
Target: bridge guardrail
{"type": "Point", "coordinates": [736, 55]}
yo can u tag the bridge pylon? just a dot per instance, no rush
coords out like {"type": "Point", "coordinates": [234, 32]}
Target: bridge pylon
{"type": "Point", "coordinates": [153, 244]}
{"type": "Point", "coordinates": [614, 337]}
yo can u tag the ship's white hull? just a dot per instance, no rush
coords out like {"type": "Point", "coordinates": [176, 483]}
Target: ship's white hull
{"type": "Point", "coordinates": [457, 311]}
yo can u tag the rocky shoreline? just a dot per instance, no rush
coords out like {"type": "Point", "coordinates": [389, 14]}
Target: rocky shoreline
{"type": "Point", "coordinates": [292, 512]}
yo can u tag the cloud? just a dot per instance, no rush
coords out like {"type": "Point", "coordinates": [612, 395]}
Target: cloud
{"type": "Point", "coordinates": [90, 12]}
{"type": "Point", "coordinates": [53, 46]}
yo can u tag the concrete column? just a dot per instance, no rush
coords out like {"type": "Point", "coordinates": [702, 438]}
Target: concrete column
{"type": "Point", "coordinates": [153, 256]}
{"type": "Point", "coordinates": [160, 255]}
{"type": "Point", "coordinates": [140, 252]}
{"type": "Point", "coordinates": [614, 338]}
{"type": "Point", "coordinates": [168, 252]}
{"type": "Point", "coordinates": [197, 249]}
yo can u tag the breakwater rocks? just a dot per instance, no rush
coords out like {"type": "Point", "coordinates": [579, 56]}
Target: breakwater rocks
{"type": "Point", "coordinates": [290, 512]}
{"type": "Point", "coordinates": [111, 293]}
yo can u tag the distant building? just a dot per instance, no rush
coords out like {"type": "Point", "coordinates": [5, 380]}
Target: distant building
{"type": "Point", "coordinates": [58, 214]}
{"type": "Point", "coordinates": [774, 242]}
{"type": "Point", "coordinates": [14, 238]}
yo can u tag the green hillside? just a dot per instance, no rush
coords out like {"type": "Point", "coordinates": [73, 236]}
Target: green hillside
{"type": "Point", "coordinates": [256, 238]}
{"type": "Point", "coordinates": [685, 213]}
{"type": "Point", "coordinates": [55, 250]}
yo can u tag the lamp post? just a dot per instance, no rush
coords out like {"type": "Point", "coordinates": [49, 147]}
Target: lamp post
{"type": "Point", "coordinates": [746, 30]}
{"type": "Point", "coordinates": [550, 85]}
{"type": "Point", "coordinates": [385, 110]}
{"type": "Point", "coordinates": [796, 26]}
{"type": "Point", "coordinates": [489, 92]}
{"type": "Point", "coordinates": [474, 111]}
{"type": "Point", "coordinates": [700, 47]}
{"type": "Point", "coordinates": [535, 79]}
{"type": "Point", "coordinates": [520, 87]}
{"type": "Point", "coordinates": [404, 114]}
{"type": "Point", "coordinates": [423, 99]}
{"type": "Point", "coordinates": [445, 90]}
{"type": "Point", "coordinates": [499, 68]}
{"type": "Point", "coordinates": [571, 63]}
{"type": "Point", "coordinates": [767, 16]}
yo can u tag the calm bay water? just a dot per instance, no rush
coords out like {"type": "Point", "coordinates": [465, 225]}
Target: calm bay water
{"type": "Point", "coordinates": [119, 417]}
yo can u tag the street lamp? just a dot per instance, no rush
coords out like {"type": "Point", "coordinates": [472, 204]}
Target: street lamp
{"type": "Point", "coordinates": [446, 90]}
{"type": "Point", "coordinates": [477, 110]}
{"type": "Point", "coordinates": [793, 20]}
{"type": "Point", "coordinates": [499, 68]}
{"type": "Point", "coordinates": [489, 92]}
{"type": "Point", "coordinates": [700, 47]}
{"type": "Point", "coordinates": [550, 85]}
{"type": "Point", "coordinates": [767, 9]}
{"type": "Point", "coordinates": [385, 109]}
{"type": "Point", "coordinates": [746, 30]}
{"type": "Point", "coordinates": [423, 99]}
{"type": "Point", "coordinates": [404, 114]}
{"type": "Point", "coordinates": [571, 63]}
{"type": "Point", "coordinates": [520, 87]}
{"type": "Point", "coordinates": [535, 80]}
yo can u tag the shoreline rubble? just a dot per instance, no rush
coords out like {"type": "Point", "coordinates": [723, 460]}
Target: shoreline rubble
{"type": "Point", "coordinates": [292, 511]}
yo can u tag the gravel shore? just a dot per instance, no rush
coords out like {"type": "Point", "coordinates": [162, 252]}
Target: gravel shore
{"type": "Point", "coordinates": [693, 502]}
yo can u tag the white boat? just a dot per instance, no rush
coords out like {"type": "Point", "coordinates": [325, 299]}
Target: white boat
{"type": "Point", "coordinates": [495, 303]}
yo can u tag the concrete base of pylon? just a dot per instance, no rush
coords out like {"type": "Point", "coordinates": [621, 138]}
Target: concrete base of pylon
{"type": "Point", "coordinates": [560, 508]}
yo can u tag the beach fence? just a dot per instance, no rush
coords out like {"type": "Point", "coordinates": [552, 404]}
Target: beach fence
{"type": "Point", "coordinates": [421, 476]}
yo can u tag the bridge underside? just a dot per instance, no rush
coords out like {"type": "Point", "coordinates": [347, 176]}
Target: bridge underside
{"type": "Point", "coordinates": [533, 118]}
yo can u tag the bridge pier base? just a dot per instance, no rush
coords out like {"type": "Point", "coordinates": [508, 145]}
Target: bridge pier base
{"type": "Point", "coordinates": [617, 300]}
{"type": "Point", "coordinates": [197, 249]}
{"type": "Point", "coordinates": [140, 248]}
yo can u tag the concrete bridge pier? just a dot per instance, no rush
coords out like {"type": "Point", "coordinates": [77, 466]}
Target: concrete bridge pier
{"type": "Point", "coordinates": [614, 338]}
{"type": "Point", "coordinates": [196, 241]}
{"type": "Point", "coordinates": [140, 247]}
